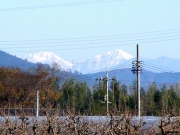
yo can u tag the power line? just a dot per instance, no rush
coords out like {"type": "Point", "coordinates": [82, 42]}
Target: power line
{"type": "Point", "coordinates": [159, 68]}
{"type": "Point", "coordinates": [95, 47]}
{"type": "Point", "coordinates": [100, 73]}
{"type": "Point", "coordinates": [91, 76]}
{"type": "Point", "coordinates": [58, 5]}
{"type": "Point", "coordinates": [116, 38]}
{"type": "Point", "coordinates": [149, 33]}
{"type": "Point", "coordinates": [145, 78]}
{"type": "Point", "coordinates": [95, 42]}
{"type": "Point", "coordinates": [120, 69]}
{"type": "Point", "coordinates": [167, 73]}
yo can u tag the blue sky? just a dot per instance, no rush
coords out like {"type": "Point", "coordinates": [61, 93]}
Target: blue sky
{"type": "Point", "coordinates": [79, 29]}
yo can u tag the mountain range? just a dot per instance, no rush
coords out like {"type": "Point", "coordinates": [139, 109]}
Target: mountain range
{"type": "Point", "coordinates": [102, 62]}
{"type": "Point", "coordinates": [117, 59]}
{"type": "Point", "coordinates": [118, 63]}
{"type": "Point", "coordinates": [8, 60]}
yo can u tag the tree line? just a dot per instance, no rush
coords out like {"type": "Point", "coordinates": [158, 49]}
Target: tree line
{"type": "Point", "coordinates": [18, 90]}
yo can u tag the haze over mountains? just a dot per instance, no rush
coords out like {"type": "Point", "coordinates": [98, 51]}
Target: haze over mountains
{"type": "Point", "coordinates": [119, 64]}
{"type": "Point", "coordinates": [117, 59]}
{"type": "Point", "coordinates": [102, 62]}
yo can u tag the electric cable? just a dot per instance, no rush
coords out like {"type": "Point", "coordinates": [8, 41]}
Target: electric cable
{"type": "Point", "coordinates": [93, 39]}
{"type": "Point", "coordinates": [58, 5]}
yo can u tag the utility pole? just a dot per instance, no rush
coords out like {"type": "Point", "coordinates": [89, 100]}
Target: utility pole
{"type": "Point", "coordinates": [106, 97]}
{"type": "Point", "coordinates": [37, 103]}
{"type": "Point", "coordinates": [136, 68]}
{"type": "Point", "coordinates": [107, 94]}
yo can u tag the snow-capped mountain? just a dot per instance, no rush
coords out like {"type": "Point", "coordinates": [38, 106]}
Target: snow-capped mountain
{"type": "Point", "coordinates": [161, 70]}
{"type": "Point", "coordinates": [97, 63]}
{"type": "Point", "coordinates": [48, 58]}
{"type": "Point", "coordinates": [102, 62]}
{"type": "Point", "coordinates": [117, 59]}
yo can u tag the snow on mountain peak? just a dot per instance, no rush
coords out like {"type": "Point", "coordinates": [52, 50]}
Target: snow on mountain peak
{"type": "Point", "coordinates": [96, 63]}
{"type": "Point", "coordinates": [104, 61]}
{"type": "Point", "coordinates": [117, 55]}
{"type": "Point", "coordinates": [120, 53]}
{"type": "Point", "coordinates": [48, 58]}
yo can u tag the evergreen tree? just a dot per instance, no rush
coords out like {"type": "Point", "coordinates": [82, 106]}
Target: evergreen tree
{"type": "Point", "coordinates": [164, 99]}
{"type": "Point", "coordinates": [132, 103]}
{"type": "Point", "coordinates": [99, 106]}
{"type": "Point", "coordinates": [153, 98]}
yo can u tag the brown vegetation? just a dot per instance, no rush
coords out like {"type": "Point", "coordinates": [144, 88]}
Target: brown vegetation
{"type": "Point", "coordinates": [53, 124]}
{"type": "Point", "coordinates": [18, 88]}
